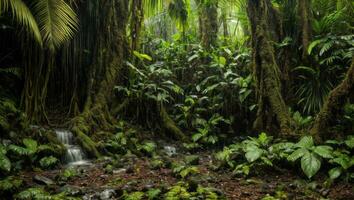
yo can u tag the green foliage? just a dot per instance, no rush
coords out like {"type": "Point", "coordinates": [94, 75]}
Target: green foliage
{"type": "Point", "coordinates": [153, 194]}
{"type": "Point", "coordinates": [310, 155]}
{"type": "Point", "coordinates": [68, 174]}
{"type": "Point", "coordinates": [48, 162]}
{"type": "Point", "coordinates": [37, 193]}
{"type": "Point", "coordinates": [10, 184]}
{"type": "Point", "coordinates": [5, 163]}
{"type": "Point", "coordinates": [184, 171]}
{"type": "Point", "coordinates": [134, 196]}
{"type": "Point", "coordinates": [178, 192]}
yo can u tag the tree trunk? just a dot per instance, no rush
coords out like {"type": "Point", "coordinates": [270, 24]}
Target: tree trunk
{"type": "Point", "coordinates": [136, 20]}
{"type": "Point", "coordinates": [333, 106]}
{"type": "Point", "coordinates": [272, 109]}
{"type": "Point", "coordinates": [209, 23]}
{"type": "Point", "coordinates": [106, 68]}
{"type": "Point", "coordinates": [304, 7]}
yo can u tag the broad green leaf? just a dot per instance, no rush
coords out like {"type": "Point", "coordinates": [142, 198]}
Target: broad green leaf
{"type": "Point", "coordinates": [48, 161]}
{"type": "Point", "coordinates": [5, 163]}
{"type": "Point", "coordinates": [2, 149]}
{"type": "Point", "coordinates": [334, 173]}
{"type": "Point", "coordinates": [310, 164]}
{"type": "Point", "coordinates": [19, 150]}
{"type": "Point", "coordinates": [343, 161]}
{"type": "Point", "coordinates": [196, 137]}
{"type": "Point", "coordinates": [297, 154]}
{"type": "Point", "coordinates": [324, 151]}
{"type": "Point", "coordinates": [253, 153]}
{"type": "Point", "coordinates": [30, 144]}
{"type": "Point", "coordinates": [350, 142]}
{"type": "Point", "coordinates": [305, 142]}
{"type": "Point", "coordinates": [313, 45]}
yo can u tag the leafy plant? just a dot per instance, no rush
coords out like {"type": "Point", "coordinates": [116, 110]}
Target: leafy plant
{"type": "Point", "coordinates": [184, 171]}
{"type": "Point", "coordinates": [310, 155]}
{"type": "Point", "coordinates": [48, 162]}
{"type": "Point", "coordinates": [10, 184]}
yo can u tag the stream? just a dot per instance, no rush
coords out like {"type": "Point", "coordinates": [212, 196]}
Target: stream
{"type": "Point", "coordinates": [74, 154]}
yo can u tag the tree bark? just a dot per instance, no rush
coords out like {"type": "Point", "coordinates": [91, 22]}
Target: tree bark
{"type": "Point", "coordinates": [272, 109]}
{"type": "Point", "coordinates": [333, 106]}
{"type": "Point", "coordinates": [304, 7]}
{"type": "Point", "coordinates": [137, 17]}
{"type": "Point", "coordinates": [208, 23]}
{"type": "Point", "coordinates": [103, 74]}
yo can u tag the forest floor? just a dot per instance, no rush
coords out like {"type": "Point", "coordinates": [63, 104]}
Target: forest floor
{"type": "Point", "coordinates": [137, 174]}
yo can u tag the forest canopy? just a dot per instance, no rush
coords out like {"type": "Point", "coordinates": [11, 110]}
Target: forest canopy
{"type": "Point", "coordinates": [200, 96]}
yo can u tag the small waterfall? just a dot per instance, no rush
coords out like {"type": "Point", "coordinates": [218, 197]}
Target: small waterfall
{"type": "Point", "coordinates": [74, 154]}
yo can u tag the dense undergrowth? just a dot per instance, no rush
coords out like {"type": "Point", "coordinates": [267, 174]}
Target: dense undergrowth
{"type": "Point", "coordinates": [203, 105]}
{"type": "Point", "coordinates": [132, 79]}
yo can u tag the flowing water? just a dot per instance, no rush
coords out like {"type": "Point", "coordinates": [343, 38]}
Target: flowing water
{"type": "Point", "coordinates": [74, 153]}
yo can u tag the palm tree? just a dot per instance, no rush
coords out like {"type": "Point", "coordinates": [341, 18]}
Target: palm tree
{"type": "Point", "coordinates": [50, 22]}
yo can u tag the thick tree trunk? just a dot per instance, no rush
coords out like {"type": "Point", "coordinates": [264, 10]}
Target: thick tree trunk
{"type": "Point", "coordinates": [337, 98]}
{"type": "Point", "coordinates": [209, 23]}
{"type": "Point", "coordinates": [271, 106]}
{"type": "Point", "coordinates": [304, 7]}
{"type": "Point", "coordinates": [103, 73]}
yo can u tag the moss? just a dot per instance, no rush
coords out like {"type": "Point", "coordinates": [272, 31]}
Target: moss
{"type": "Point", "coordinates": [333, 106]}
{"type": "Point", "coordinates": [271, 104]}
{"type": "Point", "coordinates": [86, 142]}
{"type": "Point", "coordinates": [170, 125]}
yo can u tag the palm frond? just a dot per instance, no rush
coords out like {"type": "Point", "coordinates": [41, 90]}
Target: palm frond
{"type": "Point", "coordinates": [23, 16]}
{"type": "Point", "coordinates": [57, 21]}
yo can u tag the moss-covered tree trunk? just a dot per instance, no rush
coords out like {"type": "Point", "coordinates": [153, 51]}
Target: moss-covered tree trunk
{"type": "Point", "coordinates": [304, 12]}
{"type": "Point", "coordinates": [333, 106]}
{"type": "Point", "coordinates": [103, 74]}
{"type": "Point", "coordinates": [272, 110]}
{"type": "Point", "coordinates": [136, 20]}
{"type": "Point", "coordinates": [208, 22]}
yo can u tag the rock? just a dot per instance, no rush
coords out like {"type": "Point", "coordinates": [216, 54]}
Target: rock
{"type": "Point", "coordinates": [170, 151]}
{"type": "Point", "coordinates": [43, 180]}
{"type": "Point", "coordinates": [120, 171]}
{"type": "Point", "coordinates": [107, 194]}
{"type": "Point", "coordinates": [192, 160]}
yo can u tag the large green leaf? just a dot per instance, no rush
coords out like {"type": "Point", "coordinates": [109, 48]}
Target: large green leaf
{"type": "Point", "coordinates": [5, 163]}
{"type": "Point", "coordinates": [297, 154]}
{"type": "Point", "coordinates": [23, 16]}
{"type": "Point", "coordinates": [253, 153]}
{"type": "Point", "coordinates": [30, 144]}
{"type": "Point", "coordinates": [56, 20]}
{"type": "Point", "coordinates": [324, 151]}
{"type": "Point", "coordinates": [19, 150]}
{"type": "Point", "coordinates": [310, 164]}
{"type": "Point", "coordinates": [350, 142]}
{"type": "Point", "coordinates": [305, 142]}
{"type": "Point", "coordinates": [334, 173]}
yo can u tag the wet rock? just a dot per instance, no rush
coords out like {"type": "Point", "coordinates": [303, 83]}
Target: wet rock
{"type": "Point", "coordinates": [107, 194]}
{"type": "Point", "coordinates": [169, 150]}
{"type": "Point", "coordinates": [120, 171]}
{"type": "Point", "coordinates": [192, 160]}
{"type": "Point", "coordinates": [43, 180]}
{"type": "Point", "coordinates": [324, 192]}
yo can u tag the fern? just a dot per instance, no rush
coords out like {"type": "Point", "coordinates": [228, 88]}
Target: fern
{"type": "Point", "coordinates": [48, 162]}
{"type": "Point", "coordinates": [5, 163]}
{"type": "Point", "coordinates": [10, 183]}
